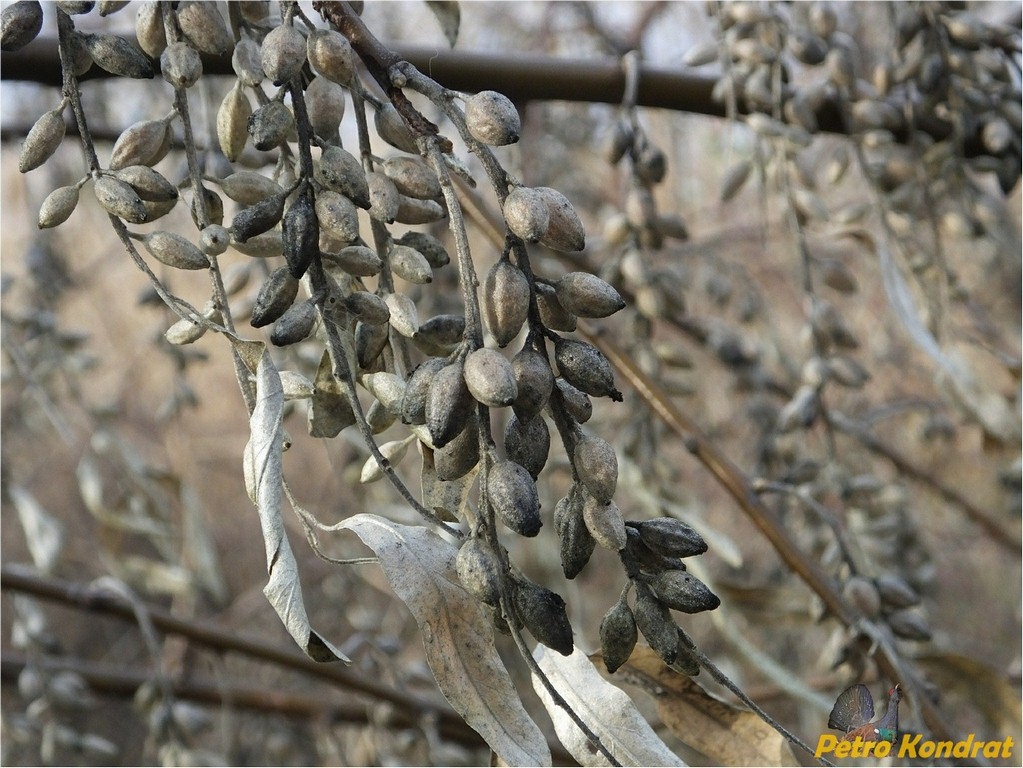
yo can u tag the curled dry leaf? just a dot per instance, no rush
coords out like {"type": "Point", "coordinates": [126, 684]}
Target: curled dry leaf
{"type": "Point", "coordinates": [264, 483]}
{"type": "Point", "coordinates": [606, 709]}
{"type": "Point", "coordinates": [726, 734]}
{"type": "Point", "coordinates": [457, 635]}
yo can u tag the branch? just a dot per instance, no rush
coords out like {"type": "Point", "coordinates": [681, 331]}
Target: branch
{"type": "Point", "coordinates": [117, 681]}
{"type": "Point", "coordinates": [518, 77]}
{"type": "Point", "coordinates": [21, 579]}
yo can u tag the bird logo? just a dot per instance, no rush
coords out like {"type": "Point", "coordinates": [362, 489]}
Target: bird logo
{"type": "Point", "coordinates": [854, 709]}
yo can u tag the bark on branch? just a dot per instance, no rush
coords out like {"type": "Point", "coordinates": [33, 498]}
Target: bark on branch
{"type": "Point", "coordinates": [520, 78]}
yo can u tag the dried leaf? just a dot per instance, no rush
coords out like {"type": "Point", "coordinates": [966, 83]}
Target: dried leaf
{"type": "Point", "coordinates": [449, 15]}
{"type": "Point", "coordinates": [263, 481]}
{"type": "Point", "coordinates": [458, 636]}
{"type": "Point", "coordinates": [726, 734]}
{"type": "Point", "coordinates": [43, 532]}
{"type": "Point", "coordinates": [605, 708]}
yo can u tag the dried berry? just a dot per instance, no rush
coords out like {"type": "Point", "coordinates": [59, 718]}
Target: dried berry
{"type": "Point", "coordinates": [19, 24]}
{"type": "Point", "coordinates": [687, 662]}
{"type": "Point", "coordinates": [670, 537]}
{"type": "Point", "coordinates": [264, 246]}
{"type": "Point", "coordinates": [175, 251]}
{"type": "Point", "coordinates": [214, 240]}
{"type": "Point", "coordinates": [278, 292]}
{"type": "Point", "coordinates": [301, 233]}
{"type": "Point", "coordinates": [188, 331]}
{"type": "Point", "coordinates": [605, 523]}
{"type": "Point", "coordinates": [270, 125]}
{"type": "Point", "coordinates": [404, 317]}
{"type": "Point", "coordinates": [441, 332]}
{"type": "Point", "coordinates": [585, 367]}
{"type": "Point", "coordinates": [617, 141]}
{"type": "Point", "coordinates": [909, 624]}
{"type": "Point", "coordinates": [596, 465]}
{"type": "Point", "coordinates": [149, 29]}
{"type": "Point", "coordinates": [534, 382]}
{"type": "Point", "coordinates": [412, 177]}
{"type": "Point", "coordinates": [330, 55]}
{"type": "Point", "coordinates": [58, 206]}
{"type": "Point", "coordinates": [895, 592]}
{"type": "Point", "coordinates": [393, 451]}
{"type": "Point", "coordinates": [258, 218]}
{"type": "Point", "coordinates": [368, 307]}
{"type": "Point", "coordinates": [645, 557]}
{"type": "Point", "coordinates": [543, 614]}
{"type": "Point", "coordinates": [107, 7]}
{"type": "Point", "coordinates": [148, 184]}
{"type": "Point", "coordinates": [202, 23]}
{"type": "Point", "coordinates": [246, 61]}
{"type": "Point", "coordinates": [295, 324]}
{"type": "Point", "coordinates": [448, 404]}
{"type": "Point", "coordinates": [180, 65]}
{"type": "Point", "coordinates": [528, 443]}
{"type": "Point", "coordinates": [325, 103]}
{"type": "Point", "coordinates": [653, 619]}
{"type": "Point", "coordinates": [42, 140]}
{"type": "Point", "coordinates": [492, 118]}
{"type": "Point", "coordinates": [143, 143]}
{"type": "Point", "coordinates": [565, 232]}
{"type": "Point", "coordinates": [383, 197]}
{"type": "Point", "coordinates": [391, 128]}
{"type": "Point", "coordinates": [456, 458]}
{"type": "Point", "coordinates": [577, 543]}
{"type": "Point", "coordinates": [526, 214]}
{"type": "Point", "coordinates": [118, 56]}
{"type": "Point", "coordinates": [340, 218]}
{"type": "Point", "coordinates": [862, 593]}
{"type": "Point", "coordinates": [119, 199]}
{"type": "Point", "coordinates": [576, 403]}
{"type": "Point", "coordinates": [387, 388]}
{"type": "Point", "coordinates": [428, 245]}
{"type": "Point", "coordinates": [479, 570]}
{"type": "Point", "coordinates": [284, 53]}
{"type": "Point", "coordinates": [513, 497]}
{"type": "Point", "coordinates": [490, 378]}
{"type": "Point", "coordinates": [249, 187]}
{"type": "Point", "coordinates": [413, 211]}
{"type": "Point", "coordinates": [618, 635]}
{"type": "Point", "coordinates": [413, 404]}
{"type": "Point", "coordinates": [586, 295]}
{"type": "Point", "coordinates": [370, 340]}
{"type": "Point", "coordinates": [341, 171]}
{"type": "Point", "coordinates": [505, 301]}
{"type": "Point", "coordinates": [233, 121]}
{"type": "Point", "coordinates": [356, 260]}
{"type": "Point", "coordinates": [651, 165]}
{"type": "Point", "coordinates": [553, 315]}
{"type": "Point", "coordinates": [684, 592]}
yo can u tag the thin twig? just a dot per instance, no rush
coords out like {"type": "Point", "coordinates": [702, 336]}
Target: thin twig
{"type": "Point", "coordinates": [722, 678]}
{"type": "Point", "coordinates": [24, 580]}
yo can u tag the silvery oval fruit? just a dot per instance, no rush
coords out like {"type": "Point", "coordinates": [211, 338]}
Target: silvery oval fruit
{"type": "Point", "coordinates": [492, 118]}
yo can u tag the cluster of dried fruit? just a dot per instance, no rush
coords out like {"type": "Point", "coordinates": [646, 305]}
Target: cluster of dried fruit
{"type": "Point", "coordinates": [930, 122]}
{"type": "Point", "coordinates": [640, 228]}
{"type": "Point", "coordinates": [310, 212]}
